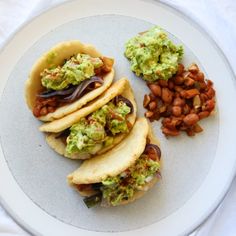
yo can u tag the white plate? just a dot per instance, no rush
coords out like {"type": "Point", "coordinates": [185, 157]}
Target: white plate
{"type": "Point", "coordinates": [196, 171]}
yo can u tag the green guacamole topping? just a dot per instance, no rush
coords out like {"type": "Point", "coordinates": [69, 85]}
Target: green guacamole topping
{"type": "Point", "coordinates": [122, 187]}
{"type": "Point", "coordinates": [75, 70]}
{"type": "Point", "coordinates": [90, 134]}
{"type": "Point", "coordinates": [152, 55]}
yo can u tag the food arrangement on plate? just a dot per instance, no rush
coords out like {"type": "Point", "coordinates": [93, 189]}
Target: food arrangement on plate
{"type": "Point", "coordinates": [88, 116]}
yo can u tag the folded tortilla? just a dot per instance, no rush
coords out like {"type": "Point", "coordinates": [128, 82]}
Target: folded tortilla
{"type": "Point", "coordinates": [115, 161]}
{"type": "Point", "coordinates": [54, 128]}
{"type": "Point", "coordinates": [54, 57]}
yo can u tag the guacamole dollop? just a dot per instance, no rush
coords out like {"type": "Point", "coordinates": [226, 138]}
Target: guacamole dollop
{"type": "Point", "coordinates": [93, 133]}
{"type": "Point", "coordinates": [122, 187]}
{"type": "Point", "coordinates": [152, 55]}
{"type": "Point", "coordinates": [75, 70]}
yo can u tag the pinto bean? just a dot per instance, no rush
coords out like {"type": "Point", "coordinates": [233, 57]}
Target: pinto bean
{"type": "Point", "coordinates": [43, 111]}
{"type": "Point", "coordinates": [180, 69]}
{"type": "Point", "coordinates": [191, 119]}
{"type": "Point", "coordinates": [163, 83]}
{"type": "Point", "coordinates": [178, 80]}
{"type": "Point", "coordinates": [191, 93]}
{"type": "Point", "coordinates": [152, 105]}
{"type": "Point", "coordinates": [176, 110]}
{"type": "Point", "coordinates": [203, 114]}
{"type": "Point", "coordinates": [209, 105]}
{"type": "Point", "coordinates": [200, 76]}
{"type": "Point", "coordinates": [149, 114]}
{"type": "Point", "coordinates": [167, 95]}
{"type": "Point", "coordinates": [156, 89]}
{"type": "Point", "coordinates": [189, 82]}
{"type": "Point", "coordinates": [178, 102]}
{"type": "Point", "coordinates": [169, 132]}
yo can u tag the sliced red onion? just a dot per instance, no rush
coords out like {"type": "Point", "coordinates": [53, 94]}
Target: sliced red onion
{"type": "Point", "coordinates": [77, 93]}
{"type": "Point", "coordinates": [126, 101]}
{"type": "Point", "coordinates": [51, 93]}
{"type": "Point", "coordinates": [155, 148]}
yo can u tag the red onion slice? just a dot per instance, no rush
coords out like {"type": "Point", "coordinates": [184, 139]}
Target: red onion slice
{"type": "Point", "coordinates": [52, 93]}
{"type": "Point", "coordinates": [126, 101]}
{"type": "Point", "coordinates": [155, 148]}
{"type": "Point", "coordinates": [77, 93]}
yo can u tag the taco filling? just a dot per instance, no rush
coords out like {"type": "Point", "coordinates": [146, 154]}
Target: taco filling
{"type": "Point", "coordinates": [115, 190]}
{"type": "Point", "coordinates": [97, 131]}
{"type": "Point", "coordinates": [66, 83]}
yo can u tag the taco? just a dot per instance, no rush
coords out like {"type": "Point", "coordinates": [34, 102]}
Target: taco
{"type": "Point", "coordinates": [124, 173]}
{"type": "Point", "coordinates": [66, 78]}
{"type": "Point", "coordinates": [96, 128]}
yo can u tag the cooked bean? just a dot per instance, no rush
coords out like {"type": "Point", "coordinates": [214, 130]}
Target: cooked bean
{"type": "Point", "coordinates": [186, 109]}
{"type": "Point", "coordinates": [163, 83]}
{"type": "Point", "coordinates": [191, 93]}
{"type": "Point", "coordinates": [203, 97]}
{"type": "Point", "coordinates": [178, 80]}
{"type": "Point", "coordinates": [190, 132]}
{"type": "Point", "coordinates": [191, 119]}
{"type": "Point", "coordinates": [203, 114]}
{"type": "Point", "coordinates": [152, 105]}
{"type": "Point", "coordinates": [202, 85]}
{"type": "Point", "coordinates": [146, 100]}
{"type": "Point", "coordinates": [171, 84]}
{"type": "Point", "coordinates": [209, 105]}
{"type": "Point", "coordinates": [43, 111]}
{"type": "Point", "coordinates": [200, 76]}
{"type": "Point", "coordinates": [176, 110]}
{"type": "Point", "coordinates": [210, 93]}
{"type": "Point", "coordinates": [189, 82]}
{"type": "Point", "coordinates": [156, 89]}
{"type": "Point", "coordinates": [182, 101]}
{"type": "Point", "coordinates": [178, 89]}
{"type": "Point", "coordinates": [162, 109]}
{"type": "Point", "coordinates": [178, 102]}
{"type": "Point", "coordinates": [51, 109]}
{"type": "Point", "coordinates": [167, 95]}
{"type": "Point", "coordinates": [180, 69]}
{"type": "Point", "coordinates": [169, 132]}
{"type": "Point", "coordinates": [149, 114]}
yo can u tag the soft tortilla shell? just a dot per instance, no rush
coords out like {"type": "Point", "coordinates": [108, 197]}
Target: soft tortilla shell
{"type": "Point", "coordinates": [114, 161]}
{"type": "Point", "coordinates": [59, 125]}
{"type": "Point", "coordinates": [60, 147]}
{"type": "Point", "coordinates": [56, 56]}
{"type": "Point", "coordinates": [120, 155]}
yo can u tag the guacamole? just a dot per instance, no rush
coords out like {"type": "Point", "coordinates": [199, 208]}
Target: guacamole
{"type": "Point", "coordinates": [72, 72]}
{"type": "Point", "coordinates": [96, 131]}
{"type": "Point", "coordinates": [152, 55]}
{"type": "Point", "coordinates": [122, 187]}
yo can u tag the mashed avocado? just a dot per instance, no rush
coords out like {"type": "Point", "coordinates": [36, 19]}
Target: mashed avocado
{"type": "Point", "coordinates": [152, 55]}
{"type": "Point", "coordinates": [122, 187]}
{"type": "Point", "coordinates": [90, 134]}
{"type": "Point", "coordinates": [74, 71]}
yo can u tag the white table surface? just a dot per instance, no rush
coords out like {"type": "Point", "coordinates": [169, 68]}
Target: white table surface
{"type": "Point", "coordinates": [218, 17]}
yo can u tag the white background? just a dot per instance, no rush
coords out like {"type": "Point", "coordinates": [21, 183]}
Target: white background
{"type": "Point", "coordinates": [218, 17]}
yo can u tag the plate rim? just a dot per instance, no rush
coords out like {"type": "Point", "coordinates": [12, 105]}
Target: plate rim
{"type": "Point", "coordinates": [190, 20]}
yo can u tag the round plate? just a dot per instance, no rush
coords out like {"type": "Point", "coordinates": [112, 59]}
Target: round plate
{"type": "Point", "coordinates": [196, 171]}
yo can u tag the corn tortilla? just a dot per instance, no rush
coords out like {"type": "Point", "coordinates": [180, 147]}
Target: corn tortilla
{"type": "Point", "coordinates": [121, 87]}
{"type": "Point", "coordinates": [54, 57]}
{"type": "Point", "coordinates": [116, 161]}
